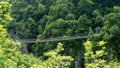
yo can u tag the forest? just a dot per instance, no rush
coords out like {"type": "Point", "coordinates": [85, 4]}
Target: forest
{"type": "Point", "coordinates": [59, 33]}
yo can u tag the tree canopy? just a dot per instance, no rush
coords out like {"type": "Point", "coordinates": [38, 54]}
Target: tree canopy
{"type": "Point", "coordinates": [47, 19]}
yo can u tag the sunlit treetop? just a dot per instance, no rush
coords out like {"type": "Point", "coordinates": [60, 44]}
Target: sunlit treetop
{"type": "Point", "coordinates": [5, 12]}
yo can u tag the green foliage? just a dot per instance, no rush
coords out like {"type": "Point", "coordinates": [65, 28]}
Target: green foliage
{"type": "Point", "coordinates": [26, 15]}
{"type": "Point", "coordinates": [11, 57]}
{"type": "Point", "coordinates": [111, 30]}
{"type": "Point", "coordinates": [55, 60]}
{"type": "Point", "coordinates": [5, 12]}
{"type": "Point", "coordinates": [96, 58]}
{"type": "Point", "coordinates": [85, 6]}
{"type": "Point", "coordinates": [92, 59]}
{"type": "Point", "coordinates": [41, 19]}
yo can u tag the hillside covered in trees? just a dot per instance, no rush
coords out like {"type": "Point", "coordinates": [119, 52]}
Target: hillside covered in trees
{"type": "Point", "coordinates": [60, 19]}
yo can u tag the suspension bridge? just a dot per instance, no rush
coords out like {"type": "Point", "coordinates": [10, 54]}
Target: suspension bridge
{"type": "Point", "coordinates": [56, 39]}
{"type": "Point", "coordinates": [25, 41]}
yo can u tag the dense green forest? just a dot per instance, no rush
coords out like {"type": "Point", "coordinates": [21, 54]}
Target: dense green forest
{"type": "Point", "coordinates": [50, 19]}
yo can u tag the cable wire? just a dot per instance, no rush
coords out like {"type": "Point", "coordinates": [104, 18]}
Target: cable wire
{"type": "Point", "coordinates": [56, 39]}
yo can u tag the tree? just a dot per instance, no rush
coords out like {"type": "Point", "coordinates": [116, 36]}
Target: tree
{"type": "Point", "coordinates": [111, 31]}
{"type": "Point", "coordinates": [41, 19]}
{"type": "Point", "coordinates": [11, 57]}
{"type": "Point", "coordinates": [4, 15]}
{"type": "Point", "coordinates": [95, 55]}
{"type": "Point", "coordinates": [85, 6]}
